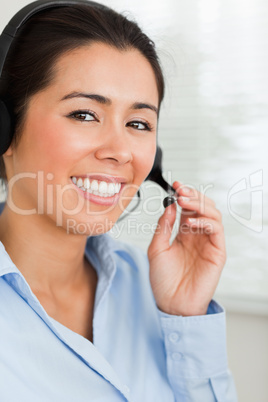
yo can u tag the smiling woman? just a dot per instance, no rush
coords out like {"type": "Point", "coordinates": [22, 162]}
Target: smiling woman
{"type": "Point", "coordinates": [82, 87]}
{"type": "Point", "coordinates": [97, 137]}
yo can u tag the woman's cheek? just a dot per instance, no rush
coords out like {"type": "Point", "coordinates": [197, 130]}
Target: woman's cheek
{"type": "Point", "coordinates": [59, 145]}
{"type": "Point", "coordinates": [145, 161]}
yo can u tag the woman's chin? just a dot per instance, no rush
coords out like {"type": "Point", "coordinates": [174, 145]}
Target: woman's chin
{"type": "Point", "coordinates": [94, 226]}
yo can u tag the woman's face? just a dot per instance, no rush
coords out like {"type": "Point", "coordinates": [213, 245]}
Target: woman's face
{"type": "Point", "coordinates": [91, 133]}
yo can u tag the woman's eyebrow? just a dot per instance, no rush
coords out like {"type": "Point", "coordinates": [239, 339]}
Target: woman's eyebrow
{"type": "Point", "coordinates": [107, 101]}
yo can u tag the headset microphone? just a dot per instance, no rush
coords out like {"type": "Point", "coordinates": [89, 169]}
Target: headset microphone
{"type": "Point", "coordinates": [156, 176]}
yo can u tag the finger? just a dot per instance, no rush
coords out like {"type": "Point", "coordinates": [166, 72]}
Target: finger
{"type": "Point", "coordinates": [184, 190]}
{"type": "Point", "coordinates": [210, 227]}
{"type": "Point", "coordinates": [207, 210]}
{"type": "Point", "coordinates": [160, 241]}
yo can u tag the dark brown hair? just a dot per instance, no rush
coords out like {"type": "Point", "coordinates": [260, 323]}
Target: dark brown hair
{"type": "Point", "coordinates": [29, 66]}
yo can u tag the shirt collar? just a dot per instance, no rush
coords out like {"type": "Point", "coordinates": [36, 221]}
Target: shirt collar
{"type": "Point", "coordinates": [100, 252]}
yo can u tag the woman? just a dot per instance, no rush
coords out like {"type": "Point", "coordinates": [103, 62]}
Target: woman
{"type": "Point", "coordinates": [84, 317]}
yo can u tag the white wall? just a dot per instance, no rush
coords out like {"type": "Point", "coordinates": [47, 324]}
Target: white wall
{"type": "Point", "coordinates": [247, 346]}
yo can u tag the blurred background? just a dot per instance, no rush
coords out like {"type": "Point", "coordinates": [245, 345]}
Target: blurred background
{"type": "Point", "coordinates": [213, 130]}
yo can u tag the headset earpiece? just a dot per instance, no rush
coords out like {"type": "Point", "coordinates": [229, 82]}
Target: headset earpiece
{"type": "Point", "coordinates": [5, 127]}
{"type": "Point", "coordinates": [6, 39]}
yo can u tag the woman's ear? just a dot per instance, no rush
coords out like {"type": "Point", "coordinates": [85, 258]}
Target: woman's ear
{"type": "Point", "coordinates": [7, 159]}
{"type": "Point", "coordinates": [9, 151]}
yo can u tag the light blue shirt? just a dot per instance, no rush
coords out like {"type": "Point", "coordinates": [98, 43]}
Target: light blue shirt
{"type": "Point", "coordinates": [138, 353]}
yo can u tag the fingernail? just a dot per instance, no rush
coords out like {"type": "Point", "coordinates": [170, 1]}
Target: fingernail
{"type": "Point", "coordinates": [185, 199]}
{"type": "Point", "coordinates": [186, 190]}
{"type": "Point", "coordinates": [192, 220]}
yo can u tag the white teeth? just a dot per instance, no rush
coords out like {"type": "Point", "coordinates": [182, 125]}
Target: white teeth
{"type": "Point", "coordinates": [111, 189]}
{"type": "Point", "coordinates": [86, 183]}
{"type": "Point", "coordinates": [103, 187]}
{"type": "Point", "coordinates": [100, 188]}
{"type": "Point", "coordinates": [80, 182]}
{"type": "Point", "coordinates": [94, 185]}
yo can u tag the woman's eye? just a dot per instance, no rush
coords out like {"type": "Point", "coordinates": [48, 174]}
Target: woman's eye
{"type": "Point", "coordinates": [140, 125]}
{"type": "Point", "coordinates": [83, 115]}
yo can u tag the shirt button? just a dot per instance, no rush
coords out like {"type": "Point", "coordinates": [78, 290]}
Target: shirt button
{"type": "Point", "coordinates": [174, 337]}
{"type": "Point", "coordinates": [176, 356]}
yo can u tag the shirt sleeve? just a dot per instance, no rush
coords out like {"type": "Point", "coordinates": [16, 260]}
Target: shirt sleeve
{"type": "Point", "coordinates": [196, 356]}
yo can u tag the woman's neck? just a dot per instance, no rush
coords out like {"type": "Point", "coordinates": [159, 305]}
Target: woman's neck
{"type": "Point", "coordinates": [49, 258]}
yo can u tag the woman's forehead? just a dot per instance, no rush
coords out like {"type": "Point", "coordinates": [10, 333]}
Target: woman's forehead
{"type": "Point", "coordinates": [98, 66]}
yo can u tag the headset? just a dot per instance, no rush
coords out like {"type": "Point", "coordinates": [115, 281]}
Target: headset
{"type": "Point", "coordinates": [6, 113]}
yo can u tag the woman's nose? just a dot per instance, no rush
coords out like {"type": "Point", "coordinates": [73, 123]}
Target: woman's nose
{"type": "Point", "coordinates": [115, 147]}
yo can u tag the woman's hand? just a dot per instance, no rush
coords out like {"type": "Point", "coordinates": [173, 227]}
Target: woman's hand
{"type": "Point", "coordinates": [185, 274]}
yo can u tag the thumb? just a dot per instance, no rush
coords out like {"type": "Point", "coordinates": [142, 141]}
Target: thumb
{"type": "Point", "coordinates": [160, 240]}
